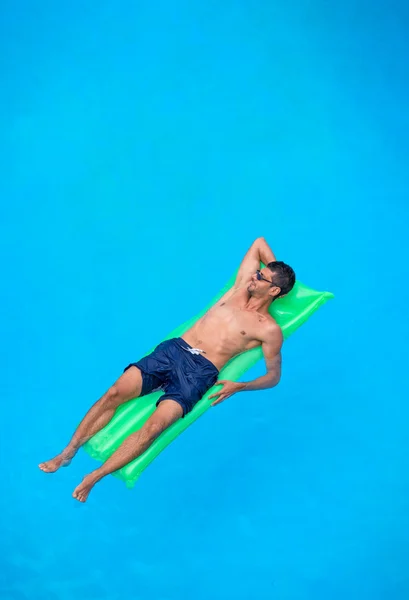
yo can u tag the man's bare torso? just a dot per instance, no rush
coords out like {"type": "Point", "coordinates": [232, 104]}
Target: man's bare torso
{"type": "Point", "coordinates": [228, 328]}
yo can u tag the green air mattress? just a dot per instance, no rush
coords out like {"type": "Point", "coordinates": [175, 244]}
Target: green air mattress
{"type": "Point", "coordinates": [290, 312]}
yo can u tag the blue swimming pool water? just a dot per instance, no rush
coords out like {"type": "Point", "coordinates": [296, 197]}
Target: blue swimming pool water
{"type": "Point", "coordinates": [145, 145]}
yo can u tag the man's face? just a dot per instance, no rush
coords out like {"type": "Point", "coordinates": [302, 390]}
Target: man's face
{"type": "Point", "coordinates": [260, 284]}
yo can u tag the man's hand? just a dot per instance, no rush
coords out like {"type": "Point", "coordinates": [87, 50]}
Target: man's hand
{"type": "Point", "coordinates": [229, 388]}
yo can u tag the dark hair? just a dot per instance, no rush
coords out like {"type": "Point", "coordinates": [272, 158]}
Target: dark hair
{"type": "Point", "coordinates": [283, 276]}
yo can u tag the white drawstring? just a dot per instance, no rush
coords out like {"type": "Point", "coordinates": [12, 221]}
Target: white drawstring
{"type": "Point", "coordinates": [194, 350]}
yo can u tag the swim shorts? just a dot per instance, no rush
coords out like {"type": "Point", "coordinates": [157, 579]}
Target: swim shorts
{"type": "Point", "coordinates": [179, 370]}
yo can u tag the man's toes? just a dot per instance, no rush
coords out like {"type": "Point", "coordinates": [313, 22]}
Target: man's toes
{"type": "Point", "coordinates": [78, 494]}
{"type": "Point", "coordinates": [45, 466]}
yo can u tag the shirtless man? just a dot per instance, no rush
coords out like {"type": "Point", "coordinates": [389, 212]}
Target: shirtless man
{"type": "Point", "coordinates": [185, 368]}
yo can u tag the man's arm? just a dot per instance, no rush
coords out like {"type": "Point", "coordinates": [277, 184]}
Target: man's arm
{"type": "Point", "coordinates": [271, 345]}
{"type": "Point", "coordinates": [258, 251]}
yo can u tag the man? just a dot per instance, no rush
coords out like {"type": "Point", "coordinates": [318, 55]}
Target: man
{"type": "Point", "coordinates": [185, 368]}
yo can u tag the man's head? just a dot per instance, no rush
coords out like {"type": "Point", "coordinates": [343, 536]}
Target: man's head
{"type": "Point", "coordinates": [275, 280]}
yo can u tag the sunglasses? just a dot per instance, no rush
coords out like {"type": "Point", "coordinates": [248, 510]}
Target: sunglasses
{"type": "Point", "coordinates": [261, 277]}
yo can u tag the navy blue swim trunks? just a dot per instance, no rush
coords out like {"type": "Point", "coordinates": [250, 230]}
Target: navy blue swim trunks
{"type": "Point", "coordinates": [181, 371]}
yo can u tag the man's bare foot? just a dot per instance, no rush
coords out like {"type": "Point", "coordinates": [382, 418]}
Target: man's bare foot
{"type": "Point", "coordinates": [51, 466]}
{"type": "Point", "coordinates": [83, 489]}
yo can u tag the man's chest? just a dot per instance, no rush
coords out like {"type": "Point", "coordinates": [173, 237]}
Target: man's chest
{"type": "Point", "coordinates": [231, 319]}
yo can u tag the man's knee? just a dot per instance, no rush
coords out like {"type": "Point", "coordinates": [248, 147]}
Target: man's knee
{"type": "Point", "coordinates": [153, 429]}
{"type": "Point", "coordinates": [112, 398]}
{"type": "Point", "coordinates": [165, 415]}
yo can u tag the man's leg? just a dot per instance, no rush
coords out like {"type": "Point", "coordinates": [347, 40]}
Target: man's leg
{"type": "Point", "coordinates": [128, 386]}
{"type": "Point", "coordinates": [165, 415]}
